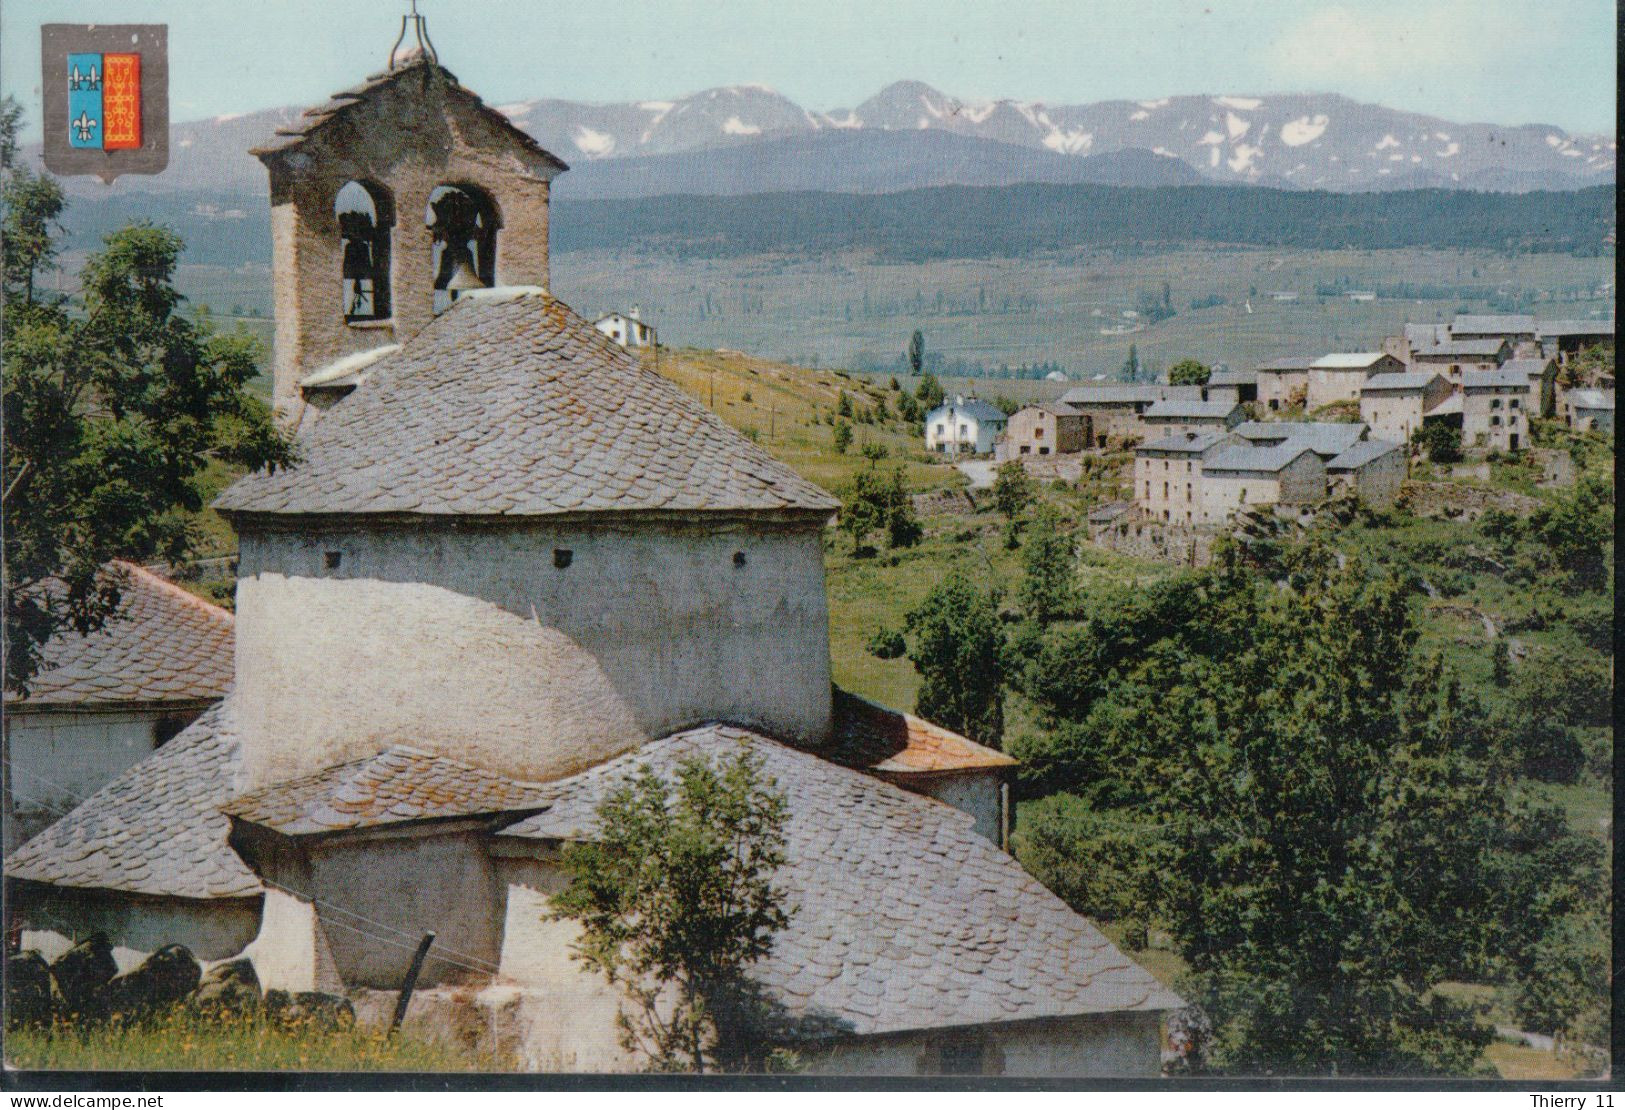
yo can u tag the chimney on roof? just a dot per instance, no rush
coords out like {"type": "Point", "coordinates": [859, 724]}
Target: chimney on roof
{"type": "Point", "coordinates": [637, 312]}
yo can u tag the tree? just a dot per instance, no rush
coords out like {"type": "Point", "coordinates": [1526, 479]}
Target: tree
{"type": "Point", "coordinates": [113, 414]}
{"type": "Point", "coordinates": [1012, 490]}
{"type": "Point", "coordinates": [916, 353]}
{"type": "Point", "coordinates": [929, 393]}
{"type": "Point", "coordinates": [1577, 527]}
{"type": "Point", "coordinates": [1131, 365]}
{"type": "Point", "coordinates": [843, 407]}
{"type": "Point", "coordinates": [675, 900]}
{"type": "Point", "coordinates": [843, 437]}
{"type": "Point", "coordinates": [1046, 585]}
{"type": "Point", "coordinates": [875, 502]}
{"type": "Point", "coordinates": [959, 651]}
{"type": "Point", "coordinates": [1441, 441]}
{"type": "Point", "coordinates": [1187, 371]}
{"type": "Point", "coordinates": [908, 409]}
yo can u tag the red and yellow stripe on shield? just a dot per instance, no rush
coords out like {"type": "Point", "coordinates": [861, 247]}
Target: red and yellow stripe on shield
{"type": "Point", "coordinates": [121, 101]}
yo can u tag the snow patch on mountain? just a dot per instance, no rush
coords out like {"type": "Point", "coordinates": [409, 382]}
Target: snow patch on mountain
{"type": "Point", "coordinates": [1153, 105]}
{"type": "Point", "coordinates": [1240, 103]}
{"type": "Point", "coordinates": [1387, 141]}
{"type": "Point", "coordinates": [594, 144]}
{"type": "Point", "coordinates": [736, 126]}
{"type": "Point", "coordinates": [1235, 125]}
{"type": "Point", "coordinates": [1304, 129]}
{"type": "Point", "coordinates": [1139, 115]}
{"type": "Point", "coordinates": [1075, 141]}
{"type": "Point", "coordinates": [1242, 160]}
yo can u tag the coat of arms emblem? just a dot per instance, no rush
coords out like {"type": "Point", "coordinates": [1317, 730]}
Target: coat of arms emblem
{"type": "Point", "coordinates": [106, 98]}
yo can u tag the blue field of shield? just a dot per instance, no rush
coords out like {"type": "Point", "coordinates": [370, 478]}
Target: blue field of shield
{"type": "Point", "coordinates": [85, 100]}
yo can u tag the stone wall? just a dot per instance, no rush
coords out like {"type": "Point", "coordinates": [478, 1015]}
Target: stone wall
{"type": "Point", "coordinates": [1154, 540]}
{"type": "Point", "coordinates": [473, 643]}
{"type": "Point", "coordinates": [1448, 499]}
{"type": "Point", "coordinates": [1091, 1046]}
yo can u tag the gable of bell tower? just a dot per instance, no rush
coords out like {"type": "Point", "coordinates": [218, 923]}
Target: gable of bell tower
{"type": "Point", "coordinates": [386, 202]}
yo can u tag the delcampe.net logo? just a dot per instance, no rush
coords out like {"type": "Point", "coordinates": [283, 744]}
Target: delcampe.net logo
{"type": "Point", "coordinates": [106, 93]}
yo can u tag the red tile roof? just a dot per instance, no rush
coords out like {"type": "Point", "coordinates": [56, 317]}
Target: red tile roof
{"type": "Point", "coordinates": [870, 737]}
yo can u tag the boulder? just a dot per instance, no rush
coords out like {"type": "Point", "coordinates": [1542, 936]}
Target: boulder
{"type": "Point", "coordinates": [231, 987]}
{"type": "Point", "coordinates": [82, 974]}
{"type": "Point", "coordinates": [28, 989]}
{"type": "Point", "coordinates": [312, 1009]}
{"type": "Point", "coordinates": [162, 980]}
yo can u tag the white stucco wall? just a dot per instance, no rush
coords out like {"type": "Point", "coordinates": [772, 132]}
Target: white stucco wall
{"type": "Point", "coordinates": [472, 643]}
{"type": "Point", "coordinates": [59, 759]}
{"type": "Point", "coordinates": [1090, 1046]}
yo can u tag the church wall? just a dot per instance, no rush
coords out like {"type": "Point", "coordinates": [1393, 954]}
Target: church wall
{"type": "Point", "coordinates": [472, 643]}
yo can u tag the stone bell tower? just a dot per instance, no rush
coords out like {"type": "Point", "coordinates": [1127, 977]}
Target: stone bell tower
{"type": "Point", "coordinates": [387, 202]}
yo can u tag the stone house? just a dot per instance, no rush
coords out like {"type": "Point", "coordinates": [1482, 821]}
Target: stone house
{"type": "Point", "coordinates": [1395, 405]}
{"type": "Point", "coordinates": [1115, 411]}
{"type": "Point", "coordinates": [1371, 470]}
{"type": "Point", "coordinates": [103, 702]}
{"type": "Point", "coordinates": [1542, 375]}
{"type": "Point", "coordinates": [482, 599]}
{"type": "Point", "coordinates": [1323, 438]}
{"type": "Point", "coordinates": [1495, 410]}
{"type": "Point", "coordinates": [1283, 382]}
{"type": "Point", "coordinates": [1413, 338]}
{"type": "Point", "coordinates": [1518, 330]}
{"type": "Point", "coordinates": [1168, 474]}
{"type": "Point", "coordinates": [1456, 359]}
{"type": "Point", "coordinates": [1176, 417]}
{"type": "Point", "coordinates": [1244, 476]}
{"type": "Point", "coordinates": [1567, 338]}
{"type": "Point", "coordinates": [627, 329]}
{"type": "Point", "coordinates": [1049, 428]}
{"type": "Point", "coordinates": [964, 426]}
{"type": "Point", "coordinates": [1589, 409]}
{"type": "Point", "coordinates": [1340, 377]}
{"type": "Point", "coordinates": [1239, 387]}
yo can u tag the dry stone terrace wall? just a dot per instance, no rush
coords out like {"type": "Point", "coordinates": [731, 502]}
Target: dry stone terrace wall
{"type": "Point", "coordinates": [1448, 499]}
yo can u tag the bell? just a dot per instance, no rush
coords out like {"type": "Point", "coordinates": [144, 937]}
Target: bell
{"type": "Point", "coordinates": [357, 260]}
{"type": "Point", "coordinates": [463, 278]}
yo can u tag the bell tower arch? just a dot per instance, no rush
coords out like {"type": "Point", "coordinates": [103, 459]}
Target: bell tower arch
{"type": "Point", "coordinates": [388, 201]}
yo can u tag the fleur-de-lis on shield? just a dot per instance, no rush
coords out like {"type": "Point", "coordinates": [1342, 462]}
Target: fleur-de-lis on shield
{"type": "Point", "coordinates": [82, 126]}
{"type": "Point", "coordinates": [77, 80]}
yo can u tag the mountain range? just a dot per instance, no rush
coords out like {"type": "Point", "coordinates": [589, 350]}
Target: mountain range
{"type": "Point", "coordinates": [750, 139]}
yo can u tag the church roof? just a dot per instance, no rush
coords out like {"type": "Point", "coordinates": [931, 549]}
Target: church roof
{"type": "Point", "coordinates": [163, 645]}
{"type": "Point", "coordinates": [316, 117]}
{"type": "Point", "coordinates": [398, 784]}
{"type": "Point", "coordinates": [874, 738]}
{"type": "Point", "coordinates": [156, 829]}
{"type": "Point", "coordinates": [511, 405]}
{"type": "Point", "coordinates": [905, 917]}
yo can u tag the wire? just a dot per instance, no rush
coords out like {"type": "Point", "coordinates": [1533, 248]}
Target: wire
{"type": "Point", "coordinates": [410, 942]}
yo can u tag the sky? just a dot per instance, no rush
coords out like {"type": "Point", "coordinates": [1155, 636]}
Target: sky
{"type": "Point", "coordinates": [1496, 61]}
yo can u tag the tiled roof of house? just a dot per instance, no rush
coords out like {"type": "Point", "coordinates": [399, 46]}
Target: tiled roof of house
{"type": "Point", "coordinates": [1495, 379]}
{"type": "Point", "coordinates": [1290, 365]}
{"type": "Point", "coordinates": [904, 917]}
{"type": "Point", "coordinates": [1349, 360]}
{"type": "Point", "coordinates": [971, 407]}
{"type": "Point", "coordinates": [1388, 383]}
{"type": "Point", "coordinates": [1186, 443]}
{"type": "Point", "coordinates": [1324, 438]}
{"type": "Point", "coordinates": [1243, 457]}
{"type": "Point", "coordinates": [1493, 325]}
{"type": "Point", "coordinates": [1057, 408]}
{"type": "Point", "coordinates": [871, 737]}
{"type": "Point", "coordinates": [156, 829]}
{"type": "Point", "coordinates": [1591, 399]}
{"type": "Point", "coordinates": [1532, 367]}
{"type": "Point", "coordinates": [1179, 409]}
{"type": "Point", "coordinates": [1463, 348]}
{"type": "Point", "coordinates": [336, 107]}
{"type": "Point", "coordinates": [396, 785]}
{"type": "Point", "coordinates": [1232, 377]}
{"type": "Point", "coordinates": [163, 645]}
{"type": "Point", "coordinates": [1362, 453]}
{"type": "Point", "coordinates": [1426, 335]}
{"type": "Point", "coordinates": [1552, 329]}
{"type": "Point", "coordinates": [1129, 394]}
{"type": "Point", "coordinates": [509, 404]}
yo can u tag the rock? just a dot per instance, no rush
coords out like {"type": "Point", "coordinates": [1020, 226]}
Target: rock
{"type": "Point", "coordinates": [231, 987]}
{"type": "Point", "coordinates": [326, 1012]}
{"type": "Point", "coordinates": [28, 989]}
{"type": "Point", "coordinates": [162, 980]}
{"type": "Point", "coordinates": [82, 974]}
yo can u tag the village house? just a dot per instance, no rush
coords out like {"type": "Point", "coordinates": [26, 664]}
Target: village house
{"type": "Point", "coordinates": [1518, 330]}
{"type": "Point", "coordinates": [1494, 410]}
{"type": "Point", "coordinates": [627, 329]}
{"type": "Point", "coordinates": [1395, 405]}
{"type": "Point", "coordinates": [482, 599]}
{"type": "Point", "coordinates": [1048, 428]}
{"type": "Point", "coordinates": [1340, 377]}
{"type": "Point", "coordinates": [1563, 339]}
{"type": "Point", "coordinates": [105, 701]}
{"type": "Point", "coordinates": [1413, 338]}
{"type": "Point", "coordinates": [1456, 359]}
{"type": "Point", "coordinates": [1166, 418]}
{"type": "Point", "coordinates": [964, 426]}
{"type": "Point", "coordinates": [1542, 376]}
{"type": "Point", "coordinates": [1240, 476]}
{"type": "Point", "coordinates": [1371, 470]}
{"type": "Point", "coordinates": [1115, 411]}
{"type": "Point", "coordinates": [1324, 438]}
{"type": "Point", "coordinates": [1587, 410]}
{"type": "Point", "coordinates": [1283, 382]}
{"type": "Point", "coordinates": [1168, 474]}
{"type": "Point", "coordinates": [1239, 387]}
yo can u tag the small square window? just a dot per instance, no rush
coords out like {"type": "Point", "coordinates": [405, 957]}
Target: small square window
{"type": "Point", "coordinates": [332, 559]}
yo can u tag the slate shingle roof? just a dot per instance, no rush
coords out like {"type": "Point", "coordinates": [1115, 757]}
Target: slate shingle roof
{"type": "Point", "coordinates": [1129, 394]}
{"type": "Point", "coordinates": [163, 645]}
{"type": "Point", "coordinates": [509, 404]}
{"type": "Point", "coordinates": [871, 737]}
{"type": "Point", "coordinates": [905, 918]}
{"type": "Point", "coordinates": [1179, 409]}
{"type": "Point", "coordinates": [1247, 458]}
{"type": "Point", "coordinates": [1187, 443]}
{"type": "Point", "coordinates": [1496, 379]}
{"type": "Point", "coordinates": [1382, 383]}
{"type": "Point", "coordinates": [156, 829]}
{"type": "Point", "coordinates": [1463, 348]}
{"type": "Point", "coordinates": [1552, 329]}
{"type": "Point", "coordinates": [318, 116]}
{"type": "Point", "coordinates": [1591, 399]}
{"type": "Point", "coordinates": [1232, 378]}
{"type": "Point", "coordinates": [971, 407]}
{"type": "Point", "coordinates": [1533, 367]}
{"type": "Point", "coordinates": [1290, 365]}
{"type": "Point", "coordinates": [1322, 437]}
{"type": "Point", "coordinates": [1493, 325]}
{"type": "Point", "coordinates": [1360, 454]}
{"type": "Point", "coordinates": [398, 784]}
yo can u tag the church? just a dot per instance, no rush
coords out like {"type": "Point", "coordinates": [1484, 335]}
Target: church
{"type": "Point", "coordinates": [511, 567]}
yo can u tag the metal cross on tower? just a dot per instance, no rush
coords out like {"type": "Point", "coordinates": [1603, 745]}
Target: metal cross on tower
{"type": "Point", "coordinates": [420, 29]}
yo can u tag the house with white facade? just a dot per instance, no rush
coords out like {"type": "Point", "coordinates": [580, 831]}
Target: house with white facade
{"type": "Point", "coordinates": [1495, 410]}
{"type": "Point", "coordinates": [1395, 405]}
{"type": "Point", "coordinates": [964, 426]}
{"type": "Point", "coordinates": [485, 597]}
{"type": "Point", "coordinates": [627, 329]}
{"type": "Point", "coordinates": [1340, 377]}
